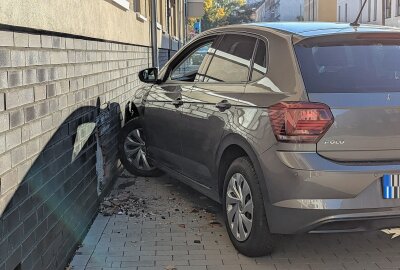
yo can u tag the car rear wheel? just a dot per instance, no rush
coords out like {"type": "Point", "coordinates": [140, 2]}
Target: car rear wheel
{"type": "Point", "coordinates": [132, 150]}
{"type": "Point", "coordinates": [244, 213]}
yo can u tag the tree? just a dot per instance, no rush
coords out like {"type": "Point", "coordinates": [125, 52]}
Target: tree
{"type": "Point", "coordinates": [223, 12]}
{"type": "Point", "coordinates": [244, 14]}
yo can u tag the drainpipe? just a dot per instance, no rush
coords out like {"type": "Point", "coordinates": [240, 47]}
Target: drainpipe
{"type": "Point", "coordinates": [154, 45]}
{"type": "Point", "coordinates": [168, 28]}
{"type": "Point", "coordinates": [186, 22]}
{"type": "Point", "coordinates": [178, 5]}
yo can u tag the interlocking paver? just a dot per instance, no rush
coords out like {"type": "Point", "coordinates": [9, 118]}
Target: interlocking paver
{"type": "Point", "coordinates": [176, 232]}
{"type": "Point", "coordinates": [223, 267]}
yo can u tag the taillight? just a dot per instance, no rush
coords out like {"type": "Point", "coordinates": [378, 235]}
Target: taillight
{"type": "Point", "coordinates": [300, 122]}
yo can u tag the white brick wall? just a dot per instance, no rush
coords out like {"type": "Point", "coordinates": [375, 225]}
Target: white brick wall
{"type": "Point", "coordinates": [49, 85]}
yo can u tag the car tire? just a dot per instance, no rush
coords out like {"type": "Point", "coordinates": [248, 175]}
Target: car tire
{"type": "Point", "coordinates": [242, 190]}
{"type": "Point", "coordinates": [132, 150]}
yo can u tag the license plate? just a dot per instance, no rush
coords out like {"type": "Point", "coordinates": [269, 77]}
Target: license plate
{"type": "Point", "coordinates": [391, 186]}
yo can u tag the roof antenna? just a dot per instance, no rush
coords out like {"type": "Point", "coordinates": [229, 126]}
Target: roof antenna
{"type": "Point", "coordinates": [356, 23]}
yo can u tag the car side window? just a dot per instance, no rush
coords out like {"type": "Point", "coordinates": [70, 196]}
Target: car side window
{"type": "Point", "coordinates": [188, 69]}
{"type": "Point", "coordinates": [231, 61]}
{"type": "Point", "coordinates": [260, 62]}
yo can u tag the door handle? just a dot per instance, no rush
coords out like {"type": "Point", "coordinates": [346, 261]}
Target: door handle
{"type": "Point", "coordinates": [223, 105]}
{"type": "Point", "coordinates": [177, 102]}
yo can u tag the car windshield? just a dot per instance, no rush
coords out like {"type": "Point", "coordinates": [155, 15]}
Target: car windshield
{"type": "Point", "coordinates": [350, 66]}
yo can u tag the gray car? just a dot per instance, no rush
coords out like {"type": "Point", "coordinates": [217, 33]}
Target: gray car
{"type": "Point", "coordinates": [292, 127]}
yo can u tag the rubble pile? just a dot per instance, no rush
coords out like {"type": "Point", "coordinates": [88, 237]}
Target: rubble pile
{"type": "Point", "coordinates": [123, 203]}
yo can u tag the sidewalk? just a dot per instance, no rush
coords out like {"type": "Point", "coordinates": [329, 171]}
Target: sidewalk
{"type": "Point", "coordinates": [174, 227]}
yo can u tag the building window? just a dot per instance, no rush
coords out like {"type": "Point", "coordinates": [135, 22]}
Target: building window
{"type": "Point", "coordinates": [345, 13]}
{"type": "Point", "coordinates": [375, 10]}
{"type": "Point", "coordinates": [388, 9]}
{"type": "Point", "coordinates": [136, 5]}
{"type": "Point", "coordinates": [316, 17]}
{"type": "Point", "coordinates": [147, 5]}
{"type": "Point", "coordinates": [313, 11]}
{"type": "Point", "coordinates": [398, 8]}
{"type": "Point", "coordinates": [174, 18]}
{"type": "Point", "coordinates": [340, 13]}
{"type": "Point", "coordinates": [369, 10]}
{"type": "Point", "coordinates": [160, 17]}
{"type": "Point", "coordinates": [361, 16]}
{"type": "Point", "coordinates": [124, 4]}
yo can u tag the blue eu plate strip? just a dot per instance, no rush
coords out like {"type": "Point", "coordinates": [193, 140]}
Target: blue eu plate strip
{"type": "Point", "coordinates": [387, 187]}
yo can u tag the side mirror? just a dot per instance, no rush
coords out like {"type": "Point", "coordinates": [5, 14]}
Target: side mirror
{"type": "Point", "coordinates": [149, 75]}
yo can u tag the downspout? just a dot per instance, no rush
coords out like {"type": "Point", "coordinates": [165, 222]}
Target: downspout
{"type": "Point", "coordinates": [186, 22]}
{"type": "Point", "coordinates": [179, 22]}
{"type": "Point", "coordinates": [168, 28]}
{"type": "Point", "coordinates": [154, 45]}
{"type": "Point", "coordinates": [383, 12]}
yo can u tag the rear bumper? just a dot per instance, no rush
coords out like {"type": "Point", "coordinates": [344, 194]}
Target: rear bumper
{"type": "Point", "coordinates": [293, 221]}
{"type": "Point", "coordinates": [308, 193]}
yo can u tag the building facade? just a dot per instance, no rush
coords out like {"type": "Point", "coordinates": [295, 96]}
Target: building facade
{"type": "Point", "coordinates": [68, 70]}
{"type": "Point", "coordinates": [280, 10]}
{"type": "Point", "coordinates": [383, 12]}
{"type": "Point", "coordinates": [320, 10]}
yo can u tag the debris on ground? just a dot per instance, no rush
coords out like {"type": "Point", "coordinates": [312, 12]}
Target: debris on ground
{"type": "Point", "coordinates": [123, 203]}
{"type": "Point", "coordinates": [125, 174]}
{"type": "Point", "coordinates": [126, 184]}
{"type": "Point", "coordinates": [127, 198]}
{"type": "Point", "coordinates": [215, 223]}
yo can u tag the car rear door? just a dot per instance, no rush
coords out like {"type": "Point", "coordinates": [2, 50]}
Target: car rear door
{"type": "Point", "coordinates": [211, 103]}
{"type": "Point", "coordinates": [358, 77]}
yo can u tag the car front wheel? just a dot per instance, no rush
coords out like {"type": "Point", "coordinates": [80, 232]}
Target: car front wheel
{"type": "Point", "coordinates": [132, 150]}
{"type": "Point", "coordinates": [244, 213]}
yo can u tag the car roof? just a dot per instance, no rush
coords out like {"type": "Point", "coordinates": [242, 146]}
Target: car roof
{"type": "Point", "coordinates": [313, 29]}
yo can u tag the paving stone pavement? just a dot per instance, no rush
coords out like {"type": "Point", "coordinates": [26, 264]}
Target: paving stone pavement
{"type": "Point", "coordinates": [181, 229]}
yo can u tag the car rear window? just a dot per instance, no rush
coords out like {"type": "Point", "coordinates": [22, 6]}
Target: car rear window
{"type": "Point", "coordinates": [350, 66]}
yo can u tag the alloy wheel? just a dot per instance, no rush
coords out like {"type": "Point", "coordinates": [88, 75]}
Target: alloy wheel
{"type": "Point", "coordinates": [239, 207]}
{"type": "Point", "coordinates": [135, 150]}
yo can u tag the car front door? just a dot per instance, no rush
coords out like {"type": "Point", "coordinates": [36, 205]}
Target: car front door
{"type": "Point", "coordinates": [163, 109]}
{"type": "Point", "coordinates": [161, 116]}
{"type": "Point", "coordinates": [211, 103]}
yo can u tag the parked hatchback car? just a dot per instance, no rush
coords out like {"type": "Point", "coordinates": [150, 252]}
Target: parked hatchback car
{"type": "Point", "coordinates": [292, 127]}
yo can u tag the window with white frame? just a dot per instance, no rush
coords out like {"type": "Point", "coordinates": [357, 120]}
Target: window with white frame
{"type": "Point", "coordinates": [136, 5]}
{"type": "Point", "coordinates": [124, 4]}
{"type": "Point", "coordinates": [369, 10]}
{"type": "Point", "coordinates": [388, 9]}
{"type": "Point", "coordinates": [398, 8]}
{"type": "Point", "coordinates": [142, 9]}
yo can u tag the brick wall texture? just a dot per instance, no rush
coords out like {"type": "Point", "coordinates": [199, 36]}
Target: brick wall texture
{"type": "Point", "coordinates": [53, 91]}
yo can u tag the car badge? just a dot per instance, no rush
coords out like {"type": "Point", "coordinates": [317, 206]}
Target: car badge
{"type": "Point", "coordinates": [334, 142]}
